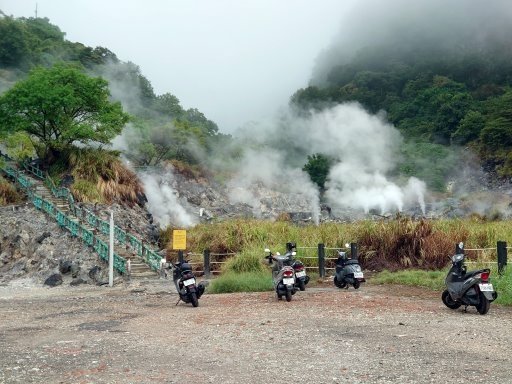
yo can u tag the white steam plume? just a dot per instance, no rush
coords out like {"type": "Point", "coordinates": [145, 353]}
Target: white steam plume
{"type": "Point", "coordinates": [265, 168]}
{"type": "Point", "coordinates": [363, 147]}
{"type": "Point", "coordinates": [163, 203]}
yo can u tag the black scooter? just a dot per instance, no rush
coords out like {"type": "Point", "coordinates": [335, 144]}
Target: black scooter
{"type": "Point", "coordinates": [348, 271]}
{"type": "Point", "coordinates": [185, 283]}
{"type": "Point", "coordinates": [301, 278]}
{"type": "Point", "coordinates": [283, 275]}
{"type": "Point", "coordinates": [471, 288]}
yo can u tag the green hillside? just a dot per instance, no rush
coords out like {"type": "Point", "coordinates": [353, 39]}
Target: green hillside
{"type": "Point", "coordinates": [160, 127]}
{"type": "Point", "coordinates": [439, 96]}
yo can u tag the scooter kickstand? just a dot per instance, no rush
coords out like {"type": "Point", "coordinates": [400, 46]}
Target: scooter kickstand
{"type": "Point", "coordinates": [178, 301]}
{"type": "Point", "coordinates": [466, 309]}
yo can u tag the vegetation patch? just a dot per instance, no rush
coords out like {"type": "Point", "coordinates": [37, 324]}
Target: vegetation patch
{"type": "Point", "coordinates": [101, 176]}
{"type": "Point", "coordinates": [242, 282]}
{"type": "Point", "coordinates": [428, 279]}
{"type": "Point", "coordinates": [8, 193]}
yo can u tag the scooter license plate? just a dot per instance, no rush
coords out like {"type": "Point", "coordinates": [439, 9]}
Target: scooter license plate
{"type": "Point", "coordinates": [358, 275]}
{"type": "Point", "coordinates": [288, 280]}
{"type": "Point", "coordinates": [188, 282]}
{"type": "Point", "coordinates": [486, 287]}
{"type": "Point", "coordinates": [300, 274]}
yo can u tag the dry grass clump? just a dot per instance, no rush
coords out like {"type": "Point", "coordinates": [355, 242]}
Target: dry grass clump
{"type": "Point", "coordinates": [8, 193]}
{"type": "Point", "coordinates": [113, 181]}
{"type": "Point", "coordinates": [86, 192]}
{"type": "Point", "coordinates": [405, 243]}
{"type": "Point", "coordinates": [187, 170]}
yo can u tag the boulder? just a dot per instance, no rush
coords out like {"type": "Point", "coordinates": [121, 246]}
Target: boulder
{"type": "Point", "coordinates": [54, 280]}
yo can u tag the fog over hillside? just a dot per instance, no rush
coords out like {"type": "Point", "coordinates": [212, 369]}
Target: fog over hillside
{"type": "Point", "coordinates": [435, 25]}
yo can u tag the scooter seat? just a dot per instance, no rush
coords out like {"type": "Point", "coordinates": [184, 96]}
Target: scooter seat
{"type": "Point", "coordinates": [472, 273]}
{"type": "Point", "coordinates": [467, 275]}
{"type": "Point", "coordinates": [351, 261]}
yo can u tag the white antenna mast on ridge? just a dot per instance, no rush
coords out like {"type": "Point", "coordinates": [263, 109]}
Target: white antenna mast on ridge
{"type": "Point", "coordinates": [36, 10]}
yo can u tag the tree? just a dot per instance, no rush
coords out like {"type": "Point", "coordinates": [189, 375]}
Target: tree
{"type": "Point", "coordinates": [469, 128]}
{"type": "Point", "coordinates": [318, 167]}
{"type": "Point", "coordinates": [59, 106]}
{"type": "Point", "coordinates": [13, 42]}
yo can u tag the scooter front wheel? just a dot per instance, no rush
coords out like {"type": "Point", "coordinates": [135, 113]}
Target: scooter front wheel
{"type": "Point", "coordinates": [448, 301]}
{"type": "Point", "coordinates": [356, 284]}
{"type": "Point", "coordinates": [483, 306]}
{"type": "Point", "coordinates": [339, 284]}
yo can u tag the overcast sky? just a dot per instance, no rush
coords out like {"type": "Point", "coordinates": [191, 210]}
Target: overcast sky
{"type": "Point", "coordinates": [236, 61]}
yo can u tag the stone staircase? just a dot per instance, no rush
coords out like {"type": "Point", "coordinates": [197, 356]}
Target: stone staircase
{"type": "Point", "coordinates": [137, 267]}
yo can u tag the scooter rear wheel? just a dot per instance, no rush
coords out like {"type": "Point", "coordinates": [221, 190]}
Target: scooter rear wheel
{"type": "Point", "coordinates": [302, 286]}
{"type": "Point", "coordinates": [288, 296]}
{"type": "Point", "coordinates": [194, 300]}
{"type": "Point", "coordinates": [484, 305]}
{"type": "Point", "coordinates": [447, 300]}
{"type": "Point", "coordinates": [356, 284]}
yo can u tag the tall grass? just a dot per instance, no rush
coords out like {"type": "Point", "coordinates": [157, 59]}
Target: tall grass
{"type": "Point", "coordinates": [86, 191]}
{"type": "Point", "coordinates": [503, 285]}
{"type": "Point", "coordinates": [394, 245]}
{"type": "Point", "coordinates": [243, 273]}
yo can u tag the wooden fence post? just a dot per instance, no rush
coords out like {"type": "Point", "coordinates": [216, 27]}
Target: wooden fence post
{"type": "Point", "coordinates": [321, 260]}
{"type": "Point", "coordinates": [206, 262]}
{"type": "Point", "coordinates": [502, 256]}
{"type": "Point", "coordinates": [353, 251]}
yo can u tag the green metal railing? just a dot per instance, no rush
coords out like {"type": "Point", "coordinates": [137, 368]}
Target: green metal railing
{"type": "Point", "coordinates": [73, 225]}
{"type": "Point", "coordinates": [65, 221]}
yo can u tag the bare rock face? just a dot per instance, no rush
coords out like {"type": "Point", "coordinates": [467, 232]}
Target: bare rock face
{"type": "Point", "coordinates": [33, 246]}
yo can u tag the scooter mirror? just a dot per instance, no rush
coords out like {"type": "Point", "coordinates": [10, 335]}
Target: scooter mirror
{"type": "Point", "coordinates": [347, 245]}
{"type": "Point", "coordinates": [267, 250]}
{"type": "Point", "coordinates": [461, 245]}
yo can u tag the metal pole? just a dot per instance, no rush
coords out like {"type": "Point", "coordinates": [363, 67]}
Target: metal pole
{"type": "Point", "coordinates": [111, 252]}
{"type": "Point", "coordinates": [180, 256]}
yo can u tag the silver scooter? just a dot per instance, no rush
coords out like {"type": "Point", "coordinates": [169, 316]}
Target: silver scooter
{"type": "Point", "coordinates": [471, 288]}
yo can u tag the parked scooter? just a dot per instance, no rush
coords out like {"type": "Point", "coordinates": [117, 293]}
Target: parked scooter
{"type": "Point", "coordinates": [301, 278]}
{"type": "Point", "coordinates": [471, 288]}
{"type": "Point", "coordinates": [283, 275]}
{"type": "Point", "coordinates": [348, 271]}
{"type": "Point", "coordinates": [185, 283]}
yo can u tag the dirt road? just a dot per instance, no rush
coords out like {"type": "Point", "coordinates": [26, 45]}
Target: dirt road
{"type": "Point", "coordinates": [136, 334]}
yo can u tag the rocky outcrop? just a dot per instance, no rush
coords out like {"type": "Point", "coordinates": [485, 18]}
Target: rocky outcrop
{"type": "Point", "coordinates": [33, 246]}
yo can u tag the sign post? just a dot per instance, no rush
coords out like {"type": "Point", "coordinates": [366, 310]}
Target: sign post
{"type": "Point", "coordinates": [179, 242]}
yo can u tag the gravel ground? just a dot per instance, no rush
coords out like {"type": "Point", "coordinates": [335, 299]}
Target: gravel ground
{"type": "Point", "coordinates": [135, 333]}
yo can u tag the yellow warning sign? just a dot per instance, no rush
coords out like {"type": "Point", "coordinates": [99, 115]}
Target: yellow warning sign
{"type": "Point", "coordinates": [179, 239]}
